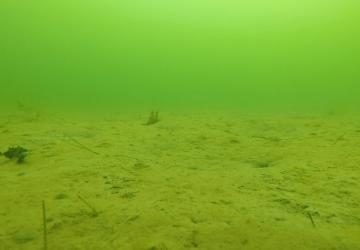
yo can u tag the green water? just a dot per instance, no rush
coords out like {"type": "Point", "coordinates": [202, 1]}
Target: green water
{"type": "Point", "coordinates": [256, 145]}
{"type": "Point", "coordinates": [262, 54]}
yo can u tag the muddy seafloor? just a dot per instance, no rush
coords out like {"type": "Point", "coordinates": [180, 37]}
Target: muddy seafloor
{"type": "Point", "coordinates": [190, 181]}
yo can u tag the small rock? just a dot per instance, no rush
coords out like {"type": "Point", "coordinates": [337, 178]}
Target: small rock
{"type": "Point", "coordinates": [262, 164]}
{"type": "Point", "coordinates": [24, 236]}
{"type": "Point", "coordinates": [140, 165]}
{"type": "Point", "coordinates": [61, 196]}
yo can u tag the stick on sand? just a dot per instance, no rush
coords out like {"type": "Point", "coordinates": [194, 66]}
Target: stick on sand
{"type": "Point", "coordinates": [44, 225]}
{"type": "Point", "coordinates": [311, 219]}
{"type": "Point", "coordinates": [94, 212]}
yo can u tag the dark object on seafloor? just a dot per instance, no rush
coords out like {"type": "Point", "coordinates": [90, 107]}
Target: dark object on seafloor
{"type": "Point", "coordinates": [153, 118]}
{"type": "Point", "coordinates": [18, 153]}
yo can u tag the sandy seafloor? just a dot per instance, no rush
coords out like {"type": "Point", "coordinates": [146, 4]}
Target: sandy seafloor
{"type": "Point", "coordinates": [191, 181]}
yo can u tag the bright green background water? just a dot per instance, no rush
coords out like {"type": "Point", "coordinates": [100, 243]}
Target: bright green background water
{"type": "Point", "coordinates": [251, 54]}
